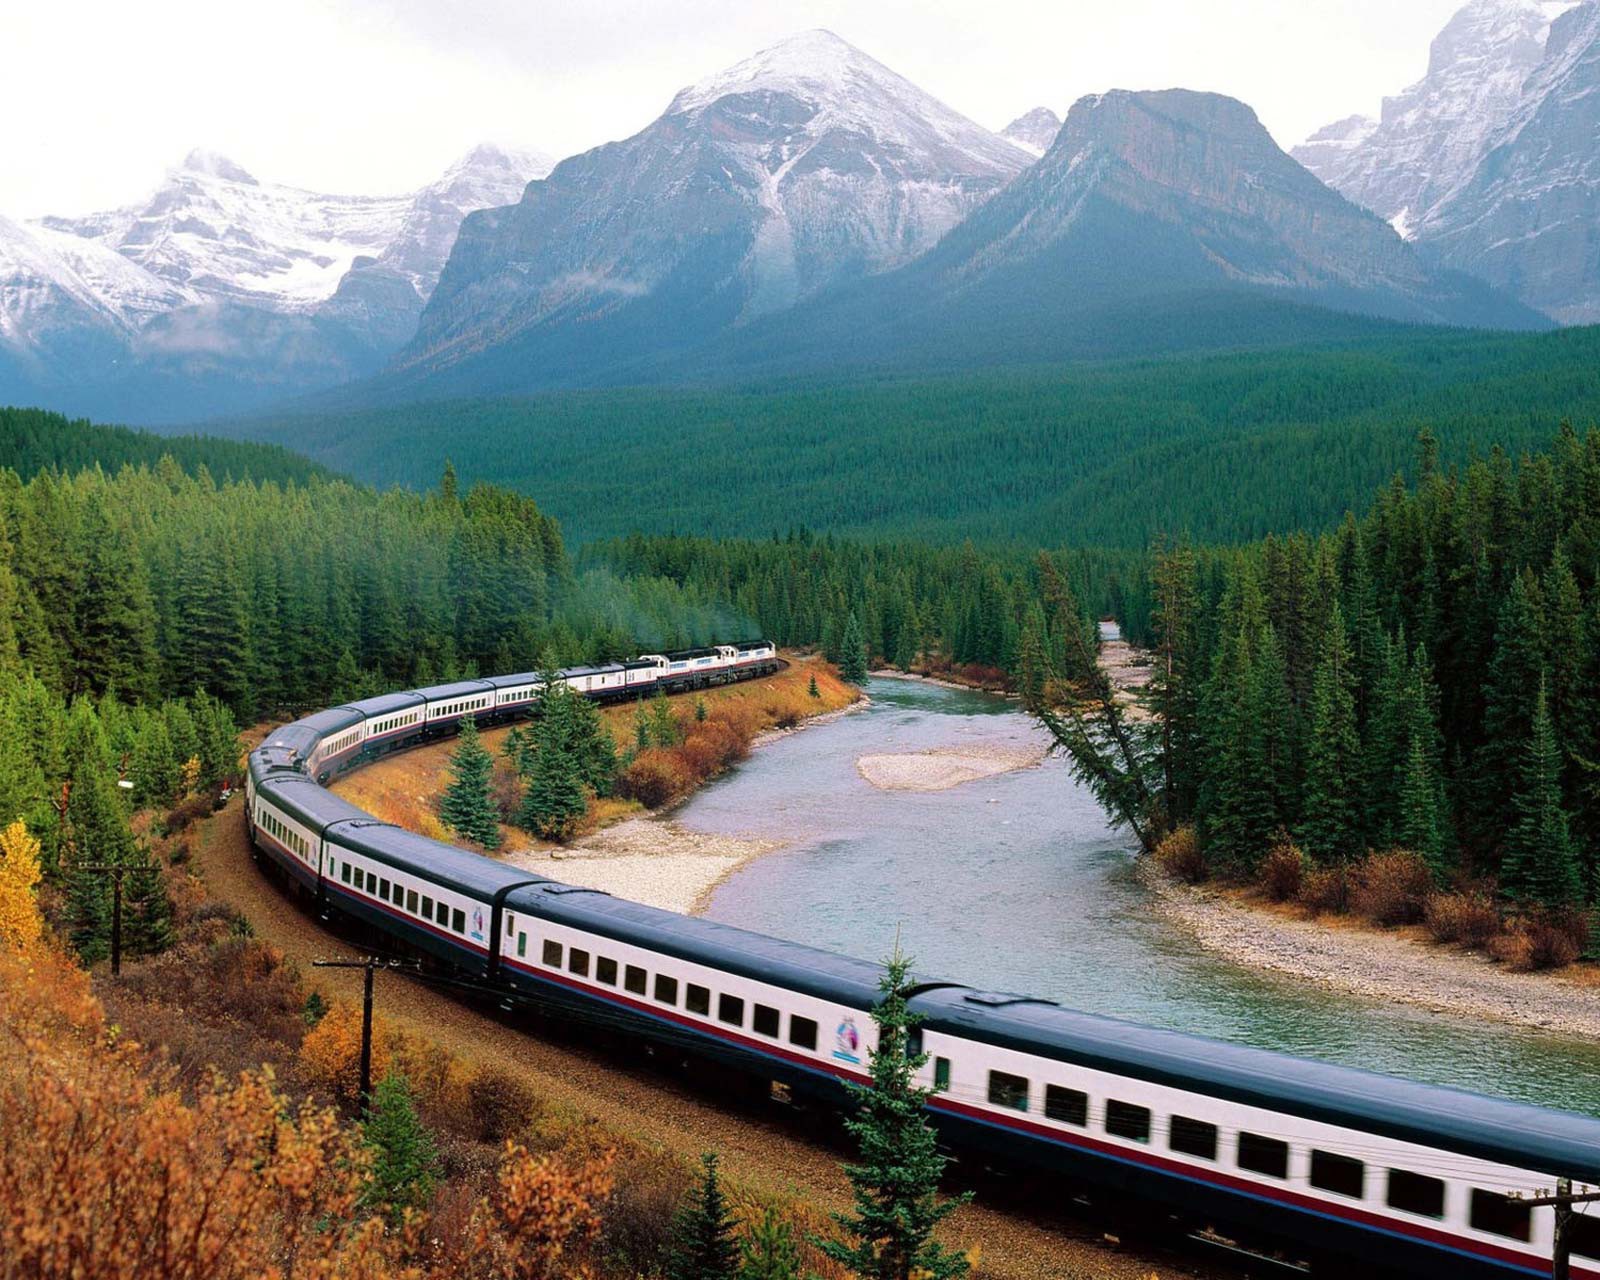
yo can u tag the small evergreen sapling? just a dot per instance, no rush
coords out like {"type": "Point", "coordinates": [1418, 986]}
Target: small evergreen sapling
{"type": "Point", "coordinates": [404, 1160]}
{"type": "Point", "coordinates": [703, 1245]}
{"type": "Point", "coordinates": [768, 1250]}
{"type": "Point", "coordinates": [468, 807]}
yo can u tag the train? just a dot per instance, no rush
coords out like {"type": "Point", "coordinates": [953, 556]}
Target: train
{"type": "Point", "coordinates": [1332, 1161]}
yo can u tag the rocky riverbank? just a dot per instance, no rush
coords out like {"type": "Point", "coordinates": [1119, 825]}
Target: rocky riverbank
{"type": "Point", "coordinates": [1394, 966]}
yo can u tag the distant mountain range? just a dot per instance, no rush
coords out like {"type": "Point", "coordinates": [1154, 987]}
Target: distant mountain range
{"type": "Point", "coordinates": [223, 292]}
{"type": "Point", "coordinates": [1491, 162]}
{"type": "Point", "coordinates": [802, 168]}
{"type": "Point", "coordinates": [809, 209]}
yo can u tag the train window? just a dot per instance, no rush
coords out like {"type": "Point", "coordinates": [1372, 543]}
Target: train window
{"type": "Point", "coordinates": [344, 872]}
{"type": "Point", "coordinates": [578, 962]}
{"type": "Point", "coordinates": [1193, 1137]}
{"type": "Point", "coordinates": [458, 920]}
{"type": "Point", "coordinates": [1416, 1193]}
{"type": "Point", "coordinates": [411, 901]}
{"type": "Point", "coordinates": [730, 1009]}
{"type": "Point", "coordinates": [697, 1000]}
{"type": "Point", "coordinates": [605, 969]}
{"type": "Point", "coordinates": [764, 1020]}
{"type": "Point", "coordinates": [802, 1031]}
{"type": "Point", "coordinates": [427, 907]}
{"type": "Point", "coordinates": [1070, 1106]}
{"type": "Point", "coordinates": [1006, 1090]}
{"type": "Point", "coordinates": [1124, 1120]}
{"type": "Point", "coordinates": [1493, 1213]}
{"type": "Point", "coordinates": [1338, 1174]}
{"type": "Point", "coordinates": [1583, 1234]}
{"type": "Point", "coordinates": [383, 889]}
{"type": "Point", "coordinates": [633, 978]}
{"type": "Point", "coordinates": [1263, 1155]}
{"type": "Point", "coordinates": [941, 1074]}
{"type": "Point", "coordinates": [552, 953]}
{"type": "Point", "coordinates": [666, 989]}
{"type": "Point", "coordinates": [522, 945]}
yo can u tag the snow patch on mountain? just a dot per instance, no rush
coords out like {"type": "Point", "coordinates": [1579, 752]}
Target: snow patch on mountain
{"type": "Point", "coordinates": [1432, 136]}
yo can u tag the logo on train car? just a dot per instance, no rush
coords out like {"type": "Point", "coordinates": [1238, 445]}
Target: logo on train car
{"type": "Point", "coordinates": [847, 1042]}
{"type": "Point", "coordinates": [477, 923]}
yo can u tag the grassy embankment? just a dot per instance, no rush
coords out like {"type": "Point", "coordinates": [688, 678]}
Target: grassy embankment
{"type": "Point", "coordinates": [406, 788]}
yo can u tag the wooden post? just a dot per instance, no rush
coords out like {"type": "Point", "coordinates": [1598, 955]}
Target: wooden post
{"type": "Point", "coordinates": [1562, 1202]}
{"type": "Point", "coordinates": [371, 964]}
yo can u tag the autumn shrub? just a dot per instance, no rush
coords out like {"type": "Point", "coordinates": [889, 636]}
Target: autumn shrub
{"type": "Point", "coordinates": [330, 1054]}
{"type": "Point", "coordinates": [1544, 940]}
{"type": "Point", "coordinates": [655, 777]}
{"type": "Point", "coordinates": [187, 812]}
{"type": "Point", "coordinates": [1282, 870]}
{"type": "Point", "coordinates": [1180, 856]}
{"type": "Point", "coordinates": [1391, 888]}
{"type": "Point", "coordinates": [1470, 918]}
{"type": "Point", "coordinates": [1325, 890]}
{"type": "Point", "coordinates": [541, 1220]}
{"type": "Point", "coordinates": [500, 1104]}
{"type": "Point", "coordinates": [505, 789]}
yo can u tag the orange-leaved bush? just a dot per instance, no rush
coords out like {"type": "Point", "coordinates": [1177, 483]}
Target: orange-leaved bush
{"type": "Point", "coordinates": [20, 924]}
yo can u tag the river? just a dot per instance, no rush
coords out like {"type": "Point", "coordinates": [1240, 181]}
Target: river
{"type": "Point", "coordinates": [1016, 883]}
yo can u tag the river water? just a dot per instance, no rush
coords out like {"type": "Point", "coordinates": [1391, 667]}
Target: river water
{"type": "Point", "coordinates": [1016, 883]}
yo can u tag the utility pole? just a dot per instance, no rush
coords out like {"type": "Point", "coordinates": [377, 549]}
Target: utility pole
{"type": "Point", "coordinates": [371, 964]}
{"type": "Point", "coordinates": [116, 869]}
{"type": "Point", "coordinates": [1562, 1201]}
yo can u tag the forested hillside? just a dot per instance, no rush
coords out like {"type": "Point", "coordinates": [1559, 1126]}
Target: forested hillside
{"type": "Point", "coordinates": [1425, 678]}
{"type": "Point", "coordinates": [1223, 449]}
{"type": "Point", "coordinates": [34, 440]}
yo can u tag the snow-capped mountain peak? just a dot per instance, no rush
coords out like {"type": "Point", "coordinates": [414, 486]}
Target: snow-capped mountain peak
{"type": "Point", "coordinates": [1034, 131]}
{"type": "Point", "coordinates": [1432, 135]}
{"type": "Point", "coordinates": [803, 166]}
{"type": "Point", "coordinates": [843, 87]}
{"type": "Point", "coordinates": [216, 165]}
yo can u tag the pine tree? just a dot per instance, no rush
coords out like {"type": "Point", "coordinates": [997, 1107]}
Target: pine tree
{"type": "Point", "coordinates": [405, 1162]}
{"type": "Point", "coordinates": [467, 807]}
{"type": "Point", "coordinates": [896, 1183]}
{"type": "Point", "coordinates": [1420, 822]}
{"type": "Point", "coordinates": [769, 1251]}
{"type": "Point", "coordinates": [146, 910]}
{"type": "Point", "coordinates": [1540, 867]}
{"type": "Point", "coordinates": [1335, 771]}
{"type": "Point", "coordinates": [812, 690]}
{"type": "Point", "coordinates": [703, 1246]}
{"type": "Point", "coordinates": [663, 725]}
{"type": "Point", "coordinates": [852, 652]}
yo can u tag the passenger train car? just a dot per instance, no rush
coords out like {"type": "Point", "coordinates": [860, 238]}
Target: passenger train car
{"type": "Point", "coordinates": [1409, 1176]}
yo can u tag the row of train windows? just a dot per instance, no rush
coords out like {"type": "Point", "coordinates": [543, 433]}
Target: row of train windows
{"type": "Point", "coordinates": [407, 900]}
{"type": "Point", "coordinates": [395, 722]}
{"type": "Point", "coordinates": [764, 1019]}
{"type": "Point", "coordinates": [466, 704]}
{"type": "Point", "coordinates": [1257, 1153]}
{"type": "Point", "coordinates": [284, 833]}
{"type": "Point", "coordinates": [334, 746]}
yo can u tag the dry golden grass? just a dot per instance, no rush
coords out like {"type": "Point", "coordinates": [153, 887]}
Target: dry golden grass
{"type": "Point", "coordinates": [405, 788]}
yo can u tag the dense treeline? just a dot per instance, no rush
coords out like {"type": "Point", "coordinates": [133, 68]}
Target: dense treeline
{"type": "Point", "coordinates": [910, 602]}
{"type": "Point", "coordinates": [1427, 677]}
{"type": "Point", "coordinates": [1224, 448]}
{"type": "Point", "coordinates": [34, 440]}
{"type": "Point", "coordinates": [154, 583]}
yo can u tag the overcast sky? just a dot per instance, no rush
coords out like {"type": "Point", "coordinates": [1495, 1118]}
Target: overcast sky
{"type": "Point", "coordinates": [101, 96]}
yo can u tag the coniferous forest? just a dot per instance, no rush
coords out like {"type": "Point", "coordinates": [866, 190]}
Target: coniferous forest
{"type": "Point", "coordinates": [1424, 678]}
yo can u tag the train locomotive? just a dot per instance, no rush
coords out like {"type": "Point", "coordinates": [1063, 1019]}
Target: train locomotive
{"type": "Point", "coordinates": [1412, 1177]}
